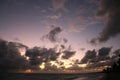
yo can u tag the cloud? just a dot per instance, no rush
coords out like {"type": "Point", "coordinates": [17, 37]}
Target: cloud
{"type": "Point", "coordinates": [10, 56]}
{"type": "Point", "coordinates": [99, 58]}
{"type": "Point", "coordinates": [103, 53]}
{"type": "Point", "coordinates": [52, 35]}
{"type": "Point", "coordinates": [109, 10]}
{"type": "Point", "coordinates": [78, 24]}
{"type": "Point", "coordinates": [90, 56]}
{"type": "Point", "coordinates": [59, 5]}
{"type": "Point", "coordinates": [93, 1]}
{"type": "Point", "coordinates": [65, 40]}
{"type": "Point", "coordinates": [68, 54]}
{"type": "Point", "coordinates": [16, 39]}
{"type": "Point", "coordinates": [82, 49]}
{"type": "Point", "coordinates": [49, 66]}
{"type": "Point", "coordinates": [63, 46]}
{"type": "Point", "coordinates": [73, 28]}
{"type": "Point", "coordinates": [99, 64]}
{"type": "Point", "coordinates": [55, 17]}
{"type": "Point", "coordinates": [38, 55]}
{"type": "Point", "coordinates": [116, 54]}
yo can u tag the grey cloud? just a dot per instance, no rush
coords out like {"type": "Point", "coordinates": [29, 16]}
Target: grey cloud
{"type": "Point", "coordinates": [38, 55]}
{"type": "Point", "coordinates": [68, 54]}
{"type": "Point", "coordinates": [10, 56]}
{"type": "Point", "coordinates": [98, 58]}
{"type": "Point", "coordinates": [48, 66]}
{"type": "Point", "coordinates": [52, 35]}
{"type": "Point", "coordinates": [63, 46]}
{"type": "Point", "coordinates": [99, 64]}
{"type": "Point", "coordinates": [65, 40]}
{"type": "Point", "coordinates": [59, 4]}
{"type": "Point", "coordinates": [90, 56]}
{"type": "Point", "coordinates": [109, 10]}
{"type": "Point", "coordinates": [55, 17]}
{"type": "Point", "coordinates": [116, 54]}
{"type": "Point", "coordinates": [103, 53]}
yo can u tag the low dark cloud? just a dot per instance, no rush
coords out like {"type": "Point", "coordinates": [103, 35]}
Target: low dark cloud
{"type": "Point", "coordinates": [68, 54]}
{"type": "Point", "coordinates": [38, 55]}
{"type": "Point", "coordinates": [116, 54]}
{"type": "Point", "coordinates": [10, 56]}
{"type": "Point", "coordinates": [103, 53]}
{"type": "Point", "coordinates": [99, 64]}
{"type": "Point", "coordinates": [98, 58]}
{"type": "Point", "coordinates": [109, 10]}
{"type": "Point", "coordinates": [90, 56]}
{"type": "Point", "coordinates": [52, 35]}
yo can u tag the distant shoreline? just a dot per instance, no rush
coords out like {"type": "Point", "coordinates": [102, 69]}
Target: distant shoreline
{"type": "Point", "coordinates": [57, 73]}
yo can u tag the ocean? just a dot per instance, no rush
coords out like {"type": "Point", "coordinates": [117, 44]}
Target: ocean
{"type": "Point", "coordinates": [88, 76]}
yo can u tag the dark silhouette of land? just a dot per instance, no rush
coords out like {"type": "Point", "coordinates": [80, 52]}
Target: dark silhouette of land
{"type": "Point", "coordinates": [114, 71]}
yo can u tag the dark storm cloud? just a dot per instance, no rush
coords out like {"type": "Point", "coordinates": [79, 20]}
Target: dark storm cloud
{"type": "Point", "coordinates": [90, 56]}
{"type": "Point", "coordinates": [109, 10]}
{"type": "Point", "coordinates": [10, 56]}
{"type": "Point", "coordinates": [68, 54]}
{"type": "Point", "coordinates": [52, 35]}
{"type": "Point", "coordinates": [38, 55]}
{"type": "Point", "coordinates": [100, 64]}
{"type": "Point", "coordinates": [95, 60]}
{"type": "Point", "coordinates": [103, 53]}
{"type": "Point", "coordinates": [116, 54]}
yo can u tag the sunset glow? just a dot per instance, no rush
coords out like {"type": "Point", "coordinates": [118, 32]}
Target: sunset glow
{"type": "Point", "coordinates": [42, 66]}
{"type": "Point", "coordinates": [28, 71]}
{"type": "Point", "coordinates": [56, 35]}
{"type": "Point", "coordinates": [82, 65]}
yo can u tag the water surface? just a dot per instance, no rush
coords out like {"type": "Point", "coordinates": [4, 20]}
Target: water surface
{"type": "Point", "coordinates": [90, 76]}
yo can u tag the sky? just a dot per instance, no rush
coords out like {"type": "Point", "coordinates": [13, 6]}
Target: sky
{"type": "Point", "coordinates": [76, 25]}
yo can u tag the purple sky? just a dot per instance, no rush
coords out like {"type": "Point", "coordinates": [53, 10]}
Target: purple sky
{"type": "Point", "coordinates": [27, 21]}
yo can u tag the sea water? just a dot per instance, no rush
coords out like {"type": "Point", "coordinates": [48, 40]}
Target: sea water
{"type": "Point", "coordinates": [90, 76]}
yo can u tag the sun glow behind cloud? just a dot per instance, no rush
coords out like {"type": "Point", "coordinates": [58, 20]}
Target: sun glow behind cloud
{"type": "Point", "coordinates": [54, 63]}
{"type": "Point", "coordinates": [67, 63]}
{"type": "Point", "coordinates": [57, 20]}
{"type": "Point", "coordinates": [82, 65]}
{"type": "Point", "coordinates": [42, 66]}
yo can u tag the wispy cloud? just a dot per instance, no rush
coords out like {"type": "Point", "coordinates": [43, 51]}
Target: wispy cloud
{"type": "Point", "coordinates": [59, 4]}
{"type": "Point", "coordinates": [73, 28]}
{"type": "Point", "coordinates": [17, 39]}
{"type": "Point", "coordinates": [55, 17]}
